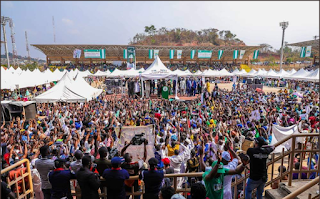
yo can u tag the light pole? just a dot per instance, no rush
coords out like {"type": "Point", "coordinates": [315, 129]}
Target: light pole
{"type": "Point", "coordinates": [284, 25]}
{"type": "Point", "coordinates": [4, 21]}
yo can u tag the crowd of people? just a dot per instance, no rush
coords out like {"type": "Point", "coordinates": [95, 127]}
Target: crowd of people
{"type": "Point", "coordinates": [74, 146]}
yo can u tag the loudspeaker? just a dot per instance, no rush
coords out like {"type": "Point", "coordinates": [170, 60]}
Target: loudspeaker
{"type": "Point", "coordinates": [249, 81]}
{"type": "Point", "coordinates": [257, 81]}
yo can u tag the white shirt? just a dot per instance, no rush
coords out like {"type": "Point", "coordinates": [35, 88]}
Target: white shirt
{"type": "Point", "coordinates": [227, 193]}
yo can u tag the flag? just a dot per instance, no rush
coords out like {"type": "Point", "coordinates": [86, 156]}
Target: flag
{"type": "Point", "coordinates": [308, 51]}
{"type": "Point", "coordinates": [171, 54]}
{"type": "Point", "coordinates": [102, 53]}
{"type": "Point", "coordinates": [77, 53]}
{"type": "Point", "coordinates": [155, 53]}
{"type": "Point", "coordinates": [235, 54]}
{"type": "Point", "coordinates": [255, 54]}
{"type": "Point", "coordinates": [303, 52]}
{"type": "Point", "coordinates": [179, 54]}
{"type": "Point", "coordinates": [150, 54]}
{"type": "Point", "coordinates": [220, 52]}
{"type": "Point", "coordinates": [242, 53]}
{"type": "Point", "coordinates": [125, 54]}
{"type": "Point", "coordinates": [193, 52]}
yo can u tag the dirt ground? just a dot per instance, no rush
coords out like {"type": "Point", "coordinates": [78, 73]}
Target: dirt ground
{"type": "Point", "coordinates": [228, 86]}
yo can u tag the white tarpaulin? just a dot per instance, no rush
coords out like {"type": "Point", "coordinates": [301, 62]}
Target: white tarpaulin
{"type": "Point", "coordinates": [127, 133]}
{"type": "Point", "coordinates": [280, 132]}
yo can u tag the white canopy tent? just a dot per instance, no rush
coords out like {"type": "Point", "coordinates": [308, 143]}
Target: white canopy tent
{"type": "Point", "coordinates": [157, 70]}
{"type": "Point", "coordinates": [63, 91]}
{"type": "Point", "coordinates": [299, 74]}
{"type": "Point", "coordinates": [84, 89]}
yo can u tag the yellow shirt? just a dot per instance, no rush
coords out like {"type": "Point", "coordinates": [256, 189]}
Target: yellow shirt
{"type": "Point", "coordinates": [208, 86]}
{"type": "Point", "coordinates": [171, 150]}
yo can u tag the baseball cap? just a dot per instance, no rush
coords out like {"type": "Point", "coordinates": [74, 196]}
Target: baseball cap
{"type": "Point", "coordinates": [220, 168]}
{"type": "Point", "coordinates": [226, 156]}
{"type": "Point", "coordinates": [116, 160]}
{"type": "Point", "coordinates": [261, 141]}
{"type": "Point", "coordinates": [166, 161]}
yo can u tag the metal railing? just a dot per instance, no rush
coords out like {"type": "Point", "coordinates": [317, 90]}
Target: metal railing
{"type": "Point", "coordinates": [275, 159]}
{"type": "Point", "coordinates": [26, 188]}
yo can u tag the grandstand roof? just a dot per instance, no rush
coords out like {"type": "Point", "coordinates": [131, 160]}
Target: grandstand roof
{"type": "Point", "coordinates": [313, 43]}
{"type": "Point", "coordinates": [115, 52]}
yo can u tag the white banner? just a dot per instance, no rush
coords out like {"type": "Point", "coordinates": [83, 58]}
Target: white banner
{"type": "Point", "coordinates": [155, 53]}
{"type": "Point", "coordinates": [179, 54]}
{"type": "Point", "coordinates": [204, 54]}
{"type": "Point", "coordinates": [308, 51]}
{"type": "Point", "coordinates": [242, 53]}
{"type": "Point", "coordinates": [280, 132]}
{"type": "Point", "coordinates": [127, 133]}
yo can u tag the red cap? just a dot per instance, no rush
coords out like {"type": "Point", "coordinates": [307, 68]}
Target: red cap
{"type": "Point", "coordinates": [166, 161]}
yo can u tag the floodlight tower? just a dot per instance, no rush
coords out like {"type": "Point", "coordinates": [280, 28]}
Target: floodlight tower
{"type": "Point", "coordinates": [27, 46]}
{"type": "Point", "coordinates": [54, 31]}
{"type": "Point", "coordinates": [14, 47]}
{"type": "Point", "coordinates": [4, 21]}
{"type": "Point", "coordinates": [283, 25]}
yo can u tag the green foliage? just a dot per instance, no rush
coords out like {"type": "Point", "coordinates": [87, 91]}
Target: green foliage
{"type": "Point", "coordinates": [255, 60]}
{"type": "Point", "coordinates": [164, 36]}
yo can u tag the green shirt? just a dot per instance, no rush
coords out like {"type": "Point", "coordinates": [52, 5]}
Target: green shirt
{"type": "Point", "coordinates": [214, 186]}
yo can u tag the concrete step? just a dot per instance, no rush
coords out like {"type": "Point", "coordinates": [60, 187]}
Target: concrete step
{"type": "Point", "coordinates": [274, 194]}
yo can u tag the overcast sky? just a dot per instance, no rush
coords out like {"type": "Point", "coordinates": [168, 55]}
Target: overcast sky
{"type": "Point", "coordinates": [117, 22]}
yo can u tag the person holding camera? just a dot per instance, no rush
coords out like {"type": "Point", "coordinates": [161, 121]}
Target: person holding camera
{"type": "Point", "coordinates": [258, 167]}
{"type": "Point", "coordinates": [133, 168]}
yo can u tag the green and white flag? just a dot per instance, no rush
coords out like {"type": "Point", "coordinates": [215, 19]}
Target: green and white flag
{"type": "Point", "coordinates": [303, 52]}
{"type": "Point", "coordinates": [220, 52]}
{"type": "Point", "coordinates": [255, 54]}
{"type": "Point", "coordinates": [308, 51]}
{"type": "Point", "coordinates": [150, 54]}
{"type": "Point", "coordinates": [171, 54]}
{"type": "Point", "coordinates": [125, 54]}
{"type": "Point", "coordinates": [179, 54]}
{"type": "Point", "coordinates": [193, 52]}
{"type": "Point", "coordinates": [205, 54]}
{"type": "Point", "coordinates": [235, 54]}
{"type": "Point", "coordinates": [155, 53]}
{"type": "Point", "coordinates": [242, 53]}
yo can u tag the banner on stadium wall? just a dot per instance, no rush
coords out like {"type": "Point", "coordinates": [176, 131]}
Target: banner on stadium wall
{"type": "Point", "coordinates": [179, 54]}
{"type": "Point", "coordinates": [308, 51]}
{"type": "Point", "coordinates": [245, 67]}
{"type": "Point", "coordinates": [77, 53]}
{"type": "Point", "coordinates": [255, 54]}
{"type": "Point", "coordinates": [171, 54]}
{"type": "Point", "coordinates": [204, 54]}
{"type": "Point", "coordinates": [220, 52]}
{"type": "Point", "coordinates": [155, 53]}
{"type": "Point", "coordinates": [125, 54]}
{"type": "Point", "coordinates": [150, 54]}
{"type": "Point", "coordinates": [128, 132]}
{"type": "Point", "coordinates": [131, 53]}
{"type": "Point", "coordinates": [94, 53]}
{"type": "Point", "coordinates": [192, 53]}
{"type": "Point", "coordinates": [241, 54]}
{"type": "Point", "coordinates": [235, 54]}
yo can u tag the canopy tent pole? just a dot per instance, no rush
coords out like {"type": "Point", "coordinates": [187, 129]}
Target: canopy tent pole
{"type": "Point", "coordinates": [176, 95]}
{"type": "Point", "coordinates": [142, 89]}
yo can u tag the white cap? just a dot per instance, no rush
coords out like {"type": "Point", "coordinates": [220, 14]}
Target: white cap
{"type": "Point", "coordinates": [226, 156]}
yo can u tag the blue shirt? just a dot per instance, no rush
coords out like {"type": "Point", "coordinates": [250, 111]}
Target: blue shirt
{"type": "Point", "coordinates": [152, 180]}
{"type": "Point", "coordinates": [115, 183]}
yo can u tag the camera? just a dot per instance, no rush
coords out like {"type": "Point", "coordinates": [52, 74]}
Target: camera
{"type": "Point", "coordinates": [138, 139]}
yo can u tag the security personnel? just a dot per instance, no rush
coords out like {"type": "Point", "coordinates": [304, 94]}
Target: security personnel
{"type": "Point", "coordinates": [60, 180]}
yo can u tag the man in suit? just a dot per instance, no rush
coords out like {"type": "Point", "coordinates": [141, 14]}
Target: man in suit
{"type": "Point", "coordinates": [89, 182]}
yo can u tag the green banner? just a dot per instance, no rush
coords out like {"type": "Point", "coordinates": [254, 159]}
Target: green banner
{"type": "Point", "coordinates": [303, 52]}
{"type": "Point", "coordinates": [95, 53]}
{"type": "Point", "coordinates": [131, 53]}
{"type": "Point", "coordinates": [165, 92]}
{"type": "Point", "coordinates": [125, 54]}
